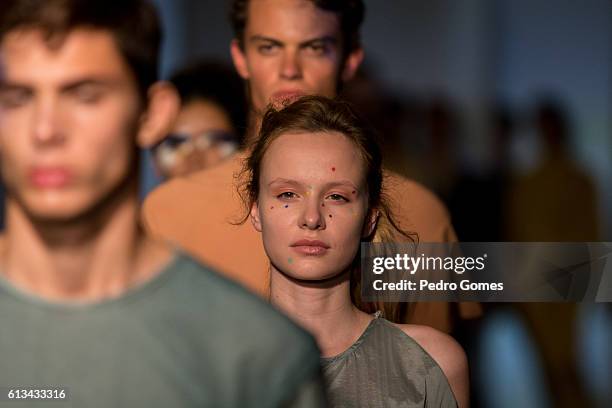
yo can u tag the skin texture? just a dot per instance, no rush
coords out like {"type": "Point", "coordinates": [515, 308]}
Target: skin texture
{"type": "Point", "coordinates": [291, 48]}
{"type": "Point", "coordinates": [70, 122]}
{"type": "Point", "coordinates": [299, 191]}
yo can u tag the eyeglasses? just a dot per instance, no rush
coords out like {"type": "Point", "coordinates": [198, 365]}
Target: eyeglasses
{"type": "Point", "coordinates": [193, 152]}
{"type": "Point", "coordinates": [202, 140]}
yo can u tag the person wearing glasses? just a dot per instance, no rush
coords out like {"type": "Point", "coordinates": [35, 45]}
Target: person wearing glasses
{"type": "Point", "coordinates": [210, 125]}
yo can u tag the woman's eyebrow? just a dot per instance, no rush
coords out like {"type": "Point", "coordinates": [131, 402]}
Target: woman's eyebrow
{"type": "Point", "coordinates": [295, 183]}
{"type": "Point", "coordinates": [342, 183]}
{"type": "Point", "coordinates": [280, 180]}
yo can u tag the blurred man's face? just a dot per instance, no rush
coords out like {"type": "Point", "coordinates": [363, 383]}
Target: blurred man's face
{"type": "Point", "coordinates": [291, 48]}
{"type": "Point", "coordinates": [68, 119]}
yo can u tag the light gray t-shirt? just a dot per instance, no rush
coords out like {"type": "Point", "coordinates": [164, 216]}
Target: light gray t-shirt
{"type": "Point", "coordinates": [186, 338]}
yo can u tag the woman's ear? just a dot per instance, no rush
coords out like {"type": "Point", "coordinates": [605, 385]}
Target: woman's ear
{"type": "Point", "coordinates": [371, 222]}
{"type": "Point", "coordinates": [162, 110]}
{"type": "Point", "coordinates": [255, 216]}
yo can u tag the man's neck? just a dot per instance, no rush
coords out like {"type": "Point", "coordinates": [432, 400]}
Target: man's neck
{"type": "Point", "coordinates": [97, 257]}
{"type": "Point", "coordinates": [325, 310]}
{"type": "Point", "coordinates": [253, 126]}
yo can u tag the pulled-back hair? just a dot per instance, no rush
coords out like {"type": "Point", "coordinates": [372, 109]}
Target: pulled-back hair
{"type": "Point", "coordinates": [133, 24]}
{"type": "Point", "coordinates": [349, 12]}
{"type": "Point", "coordinates": [313, 114]}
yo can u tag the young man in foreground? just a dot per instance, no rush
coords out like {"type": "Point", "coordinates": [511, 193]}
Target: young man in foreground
{"type": "Point", "coordinates": [92, 309]}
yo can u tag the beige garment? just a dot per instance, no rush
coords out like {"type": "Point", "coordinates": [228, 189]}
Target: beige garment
{"type": "Point", "coordinates": [196, 213]}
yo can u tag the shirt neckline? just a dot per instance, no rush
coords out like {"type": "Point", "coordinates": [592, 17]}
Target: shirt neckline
{"type": "Point", "coordinates": [356, 344]}
{"type": "Point", "coordinates": [128, 295]}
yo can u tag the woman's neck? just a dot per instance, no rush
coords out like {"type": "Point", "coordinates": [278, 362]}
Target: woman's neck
{"type": "Point", "coordinates": [324, 309]}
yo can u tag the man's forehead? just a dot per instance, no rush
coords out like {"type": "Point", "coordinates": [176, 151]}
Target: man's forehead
{"type": "Point", "coordinates": [27, 51]}
{"type": "Point", "coordinates": [290, 20]}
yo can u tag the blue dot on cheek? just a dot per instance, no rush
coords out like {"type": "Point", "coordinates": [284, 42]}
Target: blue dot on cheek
{"type": "Point", "coordinates": [286, 205]}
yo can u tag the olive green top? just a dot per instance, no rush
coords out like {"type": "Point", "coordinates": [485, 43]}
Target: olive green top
{"type": "Point", "coordinates": [186, 338]}
{"type": "Point", "coordinates": [386, 368]}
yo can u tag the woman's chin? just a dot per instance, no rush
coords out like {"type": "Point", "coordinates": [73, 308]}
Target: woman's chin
{"type": "Point", "coordinates": [309, 275]}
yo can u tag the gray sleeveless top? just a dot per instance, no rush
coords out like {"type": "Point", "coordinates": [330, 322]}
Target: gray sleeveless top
{"type": "Point", "coordinates": [386, 368]}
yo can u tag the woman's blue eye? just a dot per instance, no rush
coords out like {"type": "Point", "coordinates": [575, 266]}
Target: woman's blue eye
{"type": "Point", "coordinates": [337, 197]}
{"type": "Point", "coordinates": [287, 194]}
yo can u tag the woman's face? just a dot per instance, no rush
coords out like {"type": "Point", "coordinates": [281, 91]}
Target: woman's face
{"type": "Point", "coordinates": [312, 204]}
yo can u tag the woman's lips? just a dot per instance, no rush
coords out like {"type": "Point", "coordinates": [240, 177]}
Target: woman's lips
{"type": "Point", "coordinates": [308, 247]}
{"type": "Point", "coordinates": [50, 177]}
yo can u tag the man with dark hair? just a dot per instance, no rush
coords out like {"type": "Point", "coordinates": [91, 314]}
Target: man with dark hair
{"type": "Point", "coordinates": [284, 49]}
{"type": "Point", "coordinates": [320, 52]}
{"type": "Point", "coordinates": [139, 45]}
{"type": "Point", "coordinates": [94, 312]}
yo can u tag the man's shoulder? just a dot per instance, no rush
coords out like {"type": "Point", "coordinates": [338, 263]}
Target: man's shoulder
{"type": "Point", "coordinates": [176, 194]}
{"type": "Point", "coordinates": [241, 330]}
{"type": "Point", "coordinates": [209, 195]}
{"type": "Point", "coordinates": [203, 214]}
{"type": "Point", "coordinates": [417, 209]}
{"type": "Point", "coordinates": [405, 190]}
{"type": "Point", "coordinates": [228, 304]}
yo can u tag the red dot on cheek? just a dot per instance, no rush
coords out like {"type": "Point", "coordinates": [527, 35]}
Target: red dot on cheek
{"type": "Point", "coordinates": [333, 169]}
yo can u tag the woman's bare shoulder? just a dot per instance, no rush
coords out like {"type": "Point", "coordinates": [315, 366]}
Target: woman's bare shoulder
{"type": "Point", "coordinates": [447, 353]}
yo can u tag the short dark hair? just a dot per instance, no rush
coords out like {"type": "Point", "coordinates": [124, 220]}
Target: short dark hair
{"type": "Point", "coordinates": [133, 23]}
{"type": "Point", "coordinates": [350, 14]}
{"type": "Point", "coordinates": [215, 82]}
